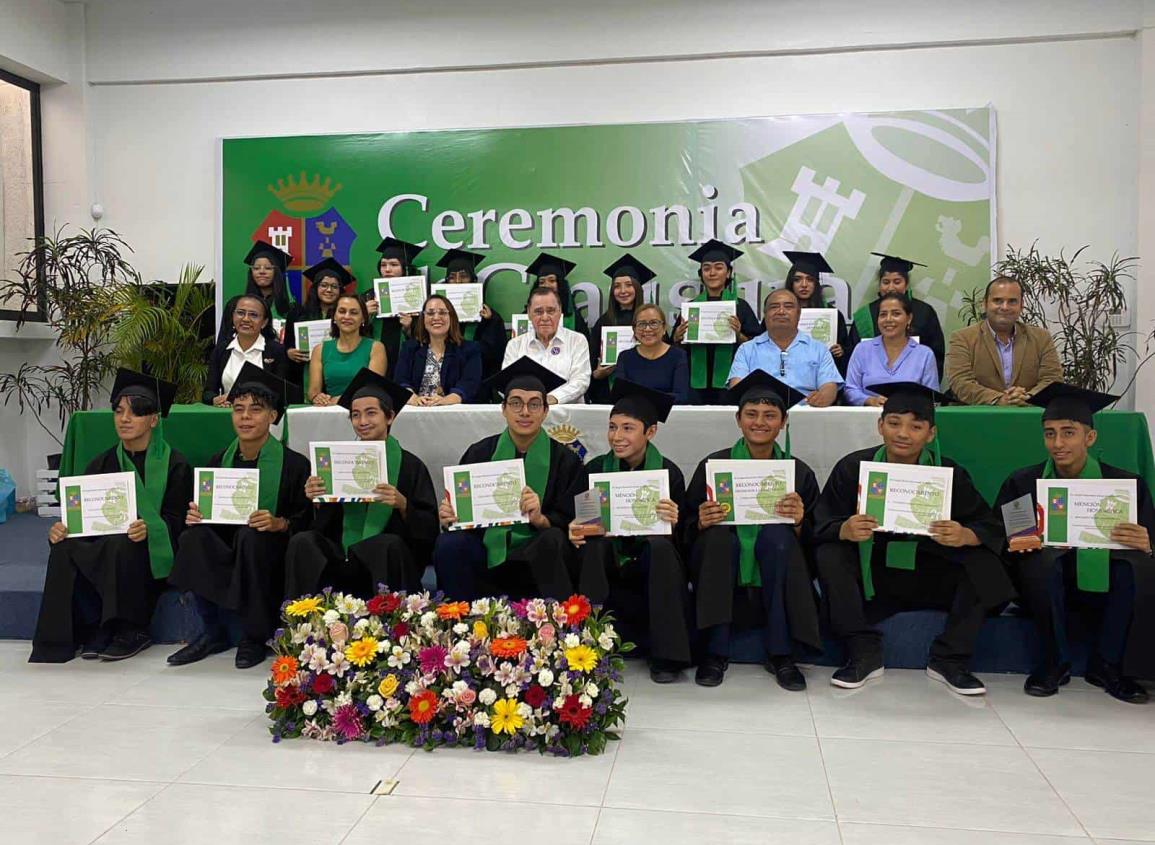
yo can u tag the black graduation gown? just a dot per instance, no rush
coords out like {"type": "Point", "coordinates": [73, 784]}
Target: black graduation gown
{"type": "Point", "coordinates": [387, 330]}
{"type": "Point", "coordinates": [491, 336]}
{"type": "Point", "coordinates": [658, 599]}
{"type": "Point", "coordinates": [241, 569]}
{"type": "Point", "coordinates": [843, 341]}
{"type": "Point", "coordinates": [924, 323]}
{"type": "Point", "coordinates": [114, 568]}
{"type": "Point", "coordinates": [712, 571]}
{"type": "Point", "coordinates": [751, 328]}
{"type": "Point", "coordinates": [397, 557]}
{"type": "Point", "coordinates": [599, 389]}
{"type": "Point", "coordinates": [1139, 658]}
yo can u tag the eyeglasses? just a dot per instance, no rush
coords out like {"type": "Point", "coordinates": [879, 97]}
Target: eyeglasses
{"type": "Point", "coordinates": [649, 325]}
{"type": "Point", "coordinates": [441, 313]}
{"type": "Point", "coordinates": [328, 286]}
{"type": "Point", "coordinates": [250, 315]}
{"type": "Point", "coordinates": [545, 312]}
{"type": "Point", "coordinates": [518, 405]}
{"type": "Point", "coordinates": [781, 364]}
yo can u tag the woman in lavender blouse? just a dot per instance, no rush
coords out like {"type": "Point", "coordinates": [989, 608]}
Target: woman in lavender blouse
{"type": "Point", "coordinates": [890, 357]}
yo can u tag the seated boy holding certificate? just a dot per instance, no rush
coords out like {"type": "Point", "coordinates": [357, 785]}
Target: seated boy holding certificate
{"type": "Point", "coordinates": [241, 566]}
{"type": "Point", "coordinates": [640, 576]}
{"type": "Point", "coordinates": [952, 564]}
{"type": "Point", "coordinates": [525, 558]}
{"type": "Point", "coordinates": [747, 522]}
{"type": "Point", "coordinates": [354, 546]}
{"type": "Point", "coordinates": [110, 584]}
{"type": "Point", "coordinates": [1118, 583]}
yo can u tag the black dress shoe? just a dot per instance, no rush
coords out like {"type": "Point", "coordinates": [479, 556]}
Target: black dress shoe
{"type": "Point", "coordinates": [198, 649]}
{"type": "Point", "coordinates": [250, 653]}
{"type": "Point", "coordinates": [663, 672]}
{"type": "Point", "coordinates": [711, 671]}
{"type": "Point", "coordinates": [1046, 682]}
{"type": "Point", "coordinates": [1102, 674]}
{"type": "Point", "coordinates": [93, 646]}
{"type": "Point", "coordinates": [126, 644]}
{"type": "Point", "coordinates": [786, 673]}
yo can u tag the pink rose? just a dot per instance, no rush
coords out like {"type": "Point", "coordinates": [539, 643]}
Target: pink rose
{"type": "Point", "coordinates": [466, 698]}
{"type": "Point", "coordinates": [338, 632]}
{"type": "Point", "coordinates": [547, 634]}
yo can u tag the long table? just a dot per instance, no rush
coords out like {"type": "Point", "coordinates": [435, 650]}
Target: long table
{"type": "Point", "coordinates": [989, 442]}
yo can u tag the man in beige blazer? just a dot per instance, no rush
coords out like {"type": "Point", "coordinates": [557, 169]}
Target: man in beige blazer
{"type": "Point", "coordinates": [1001, 361]}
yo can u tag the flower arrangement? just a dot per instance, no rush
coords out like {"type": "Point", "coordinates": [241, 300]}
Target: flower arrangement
{"type": "Point", "coordinates": [492, 674]}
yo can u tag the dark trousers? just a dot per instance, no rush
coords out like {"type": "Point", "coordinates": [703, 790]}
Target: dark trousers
{"type": "Point", "coordinates": [649, 588]}
{"type": "Point", "coordinates": [537, 568]}
{"type": "Point", "coordinates": [313, 561]}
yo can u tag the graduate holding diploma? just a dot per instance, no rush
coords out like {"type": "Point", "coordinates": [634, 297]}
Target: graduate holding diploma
{"type": "Point", "coordinates": [110, 584]}
{"type": "Point", "coordinates": [354, 546]}
{"type": "Point", "coordinates": [1117, 585]}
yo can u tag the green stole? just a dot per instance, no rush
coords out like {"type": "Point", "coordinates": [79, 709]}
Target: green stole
{"type": "Point", "coordinates": [723, 352]}
{"type": "Point", "coordinates": [149, 494]}
{"type": "Point", "coordinates": [900, 554]}
{"type": "Point", "coordinates": [611, 463]}
{"type": "Point", "coordinates": [363, 520]}
{"type": "Point", "coordinates": [269, 462]}
{"type": "Point", "coordinates": [500, 539]}
{"type": "Point", "coordinates": [1092, 566]}
{"type": "Point", "coordinates": [748, 574]}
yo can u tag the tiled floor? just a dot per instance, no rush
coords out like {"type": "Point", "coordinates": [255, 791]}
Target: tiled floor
{"type": "Point", "coordinates": [138, 752]}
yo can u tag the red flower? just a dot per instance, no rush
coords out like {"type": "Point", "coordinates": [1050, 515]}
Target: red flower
{"type": "Point", "coordinates": [577, 608]}
{"type": "Point", "coordinates": [323, 684]}
{"type": "Point", "coordinates": [288, 697]}
{"type": "Point", "coordinates": [573, 713]}
{"type": "Point", "coordinates": [392, 602]}
{"type": "Point", "coordinates": [400, 630]}
{"type": "Point", "coordinates": [535, 696]}
{"type": "Point", "coordinates": [423, 707]}
{"type": "Point", "coordinates": [376, 605]}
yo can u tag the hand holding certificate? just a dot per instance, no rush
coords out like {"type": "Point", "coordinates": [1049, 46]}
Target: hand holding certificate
{"type": "Point", "coordinates": [629, 501]}
{"type": "Point", "coordinates": [905, 498]}
{"type": "Point", "coordinates": [749, 490]}
{"type": "Point", "coordinates": [350, 470]}
{"type": "Point", "coordinates": [820, 323]}
{"type": "Point", "coordinates": [615, 341]}
{"type": "Point", "coordinates": [486, 494]}
{"type": "Point", "coordinates": [709, 322]}
{"type": "Point", "coordinates": [404, 295]}
{"type": "Point", "coordinates": [227, 496]}
{"type": "Point", "coordinates": [467, 300]}
{"type": "Point", "coordinates": [96, 505]}
{"type": "Point", "coordinates": [310, 333]}
{"type": "Point", "coordinates": [1082, 513]}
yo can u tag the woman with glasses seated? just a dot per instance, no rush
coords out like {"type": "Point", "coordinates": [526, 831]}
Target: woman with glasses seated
{"type": "Point", "coordinates": [248, 342]}
{"type": "Point", "coordinates": [438, 364]}
{"type": "Point", "coordinates": [654, 363]}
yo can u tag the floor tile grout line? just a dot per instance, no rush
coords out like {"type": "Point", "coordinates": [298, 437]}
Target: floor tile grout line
{"type": "Point", "coordinates": [216, 748]}
{"type": "Point", "coordinates": [597, 821]}
{"type": "Point", "coordinates": [359, 818]}
{"type": "Point", "coordinates": [920, 827]}
{"type": "Point", "coordinates": [610, 776]}
{"type": "Point", "coordinates": [132, 812]}
{"type": "Point", "coordinates": [822, 760]}
{"type": "Point", "coordinates": [33, 739]}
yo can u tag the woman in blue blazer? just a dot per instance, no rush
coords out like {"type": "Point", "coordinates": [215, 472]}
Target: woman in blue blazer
{"type": "Point", "coordinates": [438, 364]}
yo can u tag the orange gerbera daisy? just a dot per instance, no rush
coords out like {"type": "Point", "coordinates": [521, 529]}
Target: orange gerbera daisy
{"type": "Point", "coordinates": [507, 647]}
{"type": "Point", "coordinates": [284, 670]}
{"type": "Point", "coordinates": [453, 610]}
{"type": "Point", "coordinates": [423, 707]}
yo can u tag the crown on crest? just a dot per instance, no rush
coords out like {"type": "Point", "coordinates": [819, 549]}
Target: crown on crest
{"type": "Point", "coordinates": [299, 194]}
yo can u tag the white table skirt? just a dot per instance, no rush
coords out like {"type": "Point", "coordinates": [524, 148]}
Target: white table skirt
{"type": "Point", "coordinates": [439, 436]}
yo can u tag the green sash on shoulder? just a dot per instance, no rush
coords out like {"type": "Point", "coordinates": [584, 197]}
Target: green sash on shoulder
{"type": "Point", "coordinates": [269, 463]}
{"type": "Point", "coordinates": [363, 520]}
{"type": "Point", "coordinates": [1092, 566]}
{"type": "Point", "coordinates": [748, 572]}
{"type": "Point", "coordinates": [723, 353]}
{"type": "Point", "coordinates": [149, 495]}
{"type": "Point", "coordinates": [500, 539]}
{"type": "Point", "coordinates": [864, 323]}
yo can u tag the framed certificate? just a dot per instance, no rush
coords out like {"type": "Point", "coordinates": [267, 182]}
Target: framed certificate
{"type": "Point", "coordinates": [350, 469]}
{"type": "Point", "coordinates": [749, 491]}
{"type": "Point", "coordinates": [615, 340]}
{"type": "Point", "coordinates": [467, 300]}
{"type": "Point", "coordinates": [709, 322]}
{"type": "Point", "coordinates": [227, 496]}
{"type": "Point", "coordinates": [820, 323]}
{"type": "Point", "coordinates": [629, 501]}
{"type": "Point", "coordinates": [519, 324]}
{"type": "Point", "coordinates": [309, 333]}
{"type": "Point", "coordinates": [97, 505]}
{"type": "Point", "coordinates": [404, 295]}
{"type": "Point", "coordinates": [486, 494]}
{"type": "Point", "coordinates": [904, 498]}
{"type": "Point", "coordinates": [1081, 512]}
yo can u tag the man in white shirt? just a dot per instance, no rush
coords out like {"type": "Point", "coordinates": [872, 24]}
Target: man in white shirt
{"type": "Point", "coordinates": [558, 349]}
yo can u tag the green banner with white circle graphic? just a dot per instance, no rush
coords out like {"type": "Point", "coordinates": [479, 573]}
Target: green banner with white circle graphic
{"type": "Point", "coordinates": [919, 184]}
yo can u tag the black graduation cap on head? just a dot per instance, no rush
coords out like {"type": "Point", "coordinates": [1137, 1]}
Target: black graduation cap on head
{"type": "Point", "coordinates": [715, 250]}
{"type": "Point", "coordinates": [810, 263]}
{"type": "Point", "coordinates": [403, 251]}
{"type": "Point", "coordinates": [264, 249]}
{"type": "Point", "coordinates": [130, 383]}
{"type": "Point", "coordinates": [760, 386]}
{"type": "Point", "coordinates": [627, 265]}
{"type": "Point", "coordinates": [393, 396]}
{"type": "Point", "coordinates": [549, 265]}
{"type": "Point", "coordinates": [329, 266]}
{"type": "Point", "coordinates": [456, 260]}
{"type": "Point", "coordinates": [284, 393]}
{"type": "Point", "coordinates": [1068, 402]}
{"type": "Point", "coordinates": [908, 397]}
{"type": "Point", "coordinates": [642, 403]}
{"type": "Point", "coordinates": [525, 374]}
{"type": "Point", "coordinates": [894, 264]}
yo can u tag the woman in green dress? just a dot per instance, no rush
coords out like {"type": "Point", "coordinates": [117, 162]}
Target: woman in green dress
{"type": "Point", "coordinates": [334, 363]}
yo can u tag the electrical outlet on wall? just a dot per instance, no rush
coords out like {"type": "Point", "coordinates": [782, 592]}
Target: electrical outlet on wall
{"type": "Point", "coordinates": [1120, 319]}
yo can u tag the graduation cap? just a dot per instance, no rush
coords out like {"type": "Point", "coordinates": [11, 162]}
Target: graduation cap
{"type": "Point", "coordinates": [253, 378]}
{"type": "Point", "coordinates": [908, 397]}
{"type": "Point", "coordinates": [760, 386]}
{"type": "Point", "coordinates": [715, 250]}
{"type": "Point", "coordinates": [1068, 402]}
{"type": "Point", "coordinates": [642, 403]}
{"type": "Point", "coordinates": [810, 263]}
{"type": "Point", "coordinates": [456, 260]}
{"type": "Point", "coordinates": [403, 251]}
{"type": "Point", "coordinates": [129, 383]}
{"type": "Point", "coordinates": [329, 266]}
{"type": "Point", "coordinates": [627, 265]}
{"type": "Point", "coordinates": [264, 249]}
{"type": "Point", "coordinates": [393, 396]}
{"type": "Point", "coordinates": [525, 374]}
{"type": "Point", "coordinates": [894, 264]}
{"type": "Point", "coordinates": [549, 265]}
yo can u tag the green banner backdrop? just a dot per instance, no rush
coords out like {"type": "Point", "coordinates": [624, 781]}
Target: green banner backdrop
{"type": "Point", "coordinates": [918, 184]}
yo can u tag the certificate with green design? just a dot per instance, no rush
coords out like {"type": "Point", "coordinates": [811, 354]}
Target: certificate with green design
{"type": "Point", "coordinates": [519, 324]}
{"type": "Point", "coordinates": [749, 491]}
{"type": "Point", "coordinates": [709, 322]}
{"type": "Point", "coordinates": [310, 333]}
{"type": "Point", "coordinates": [350, 469]}
{"type": "Point", "coordinates": [904, 498]}
{"type": "Point", "coordinates": [95, 505]}
{"type": "Point", "coordinates": [820, 323]}
{"type": "Point", "coordinates": [486, 494]}
{"type": "Point", "coordinates": [227, 496]}
{"type": "Point", "coordinates": [467, 300]}
{"type": "Point", "coordinates": [629, 501]}
{"type": "Point", "coordinates": [615, 341]}
{"type": "Point", "coordinates": [1081, 512]}
{"type": "Point", "coordinates": [404, 295]}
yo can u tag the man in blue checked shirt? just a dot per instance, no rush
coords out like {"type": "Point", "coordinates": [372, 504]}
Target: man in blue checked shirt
{"type": "Point", "coordinates": [788, 354]}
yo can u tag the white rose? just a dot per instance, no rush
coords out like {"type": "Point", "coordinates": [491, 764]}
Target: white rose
{"type": "Point", "coordinates": [592, 690]}
{"type": "Point", "coordinates": [487, 697]}
{"type": "Point", "coordinates": [481, 719]}
{"type": "Point", "coordinates": [309, 708]}
{"type": "Point", "coordinates": [331, 616]}
{"type": "Point", "coordinates": [460, 628]}
{"type": "Point", "coordinates": [374, 702]}
{"type": "Point", "coordinates": [572, 641]}
{"type": "Point", "coordinates": [524, 710]}
{"type": "Point", "coordinates": [545, 677]}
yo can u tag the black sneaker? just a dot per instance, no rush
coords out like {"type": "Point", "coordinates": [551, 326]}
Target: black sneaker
{"type": "Point", "coordinates": [95, 645]}
{"type": "Point", "coordinates": [126, 644]}
{"type": "Point", "coordinates": [956, 677]}
{"type": "Point", "coordinates": [1046, 682]}
{"type": "Point", "coordinates": [251, 653]}
{"type": "Point", "coordinates": [711, 671]}
{"type": "Point", "coordinates": [786, 673]}
{"type": "Point", "coordinates": [857, 672]}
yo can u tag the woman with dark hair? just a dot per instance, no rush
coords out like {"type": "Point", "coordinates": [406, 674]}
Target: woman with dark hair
{"type": "Point", "coordinates": [552, 272]}
{"type": "Point", "coordinates": [893, 356]}
{"type": "Point", "coordinates": [395, 261]}
{"type": "Point", "coordinates": [654, 363]}
{"type": "Point", "coordinates": [247, 342]}
{"type": "Point", "coordinates": [439, 365]}
{"type": "Point", "coordinates": [461, 268]}
{"type": "Point", "coordinates": [627, 275]}
{"type": "Point", "coordinates": [334, 363]}
{"type": "Point", "coordinates": [266, 279]}
{"type": "Point", "coordinates": [327, 280]}
{"type": "Point", "coordinates": [804, 279]}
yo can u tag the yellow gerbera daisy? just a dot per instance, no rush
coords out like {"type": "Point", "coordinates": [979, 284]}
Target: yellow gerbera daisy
{"type": "Point", "coordinates": [505, 717]}
{"type": "Point", "coordinates": [388, 686]}
{"type": "Point", "coordinates": [304, 607]}
{"type": "Point", "coordinates": [361, 652]}
{"type": "Point", "coordinates": [581, 658]}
